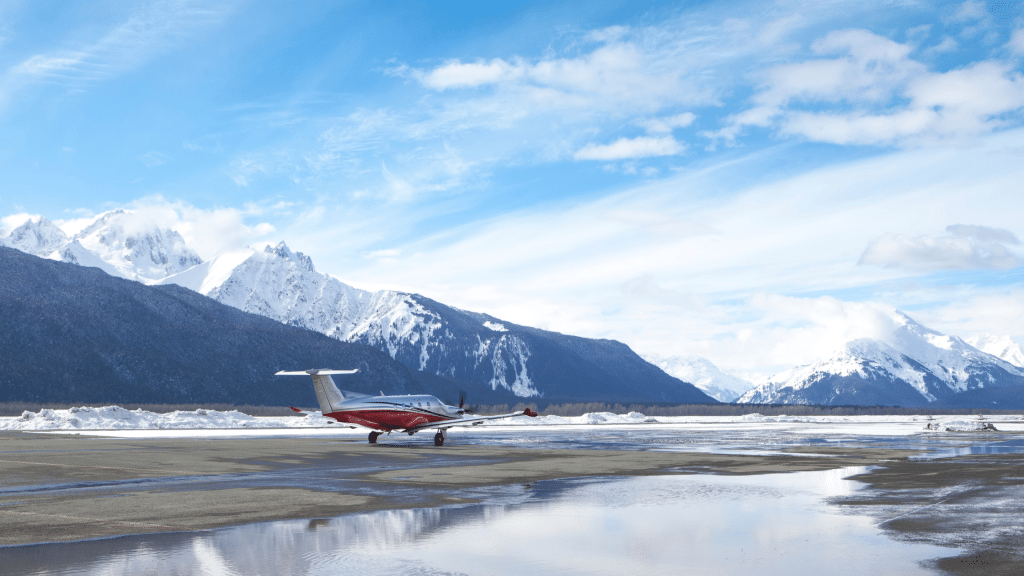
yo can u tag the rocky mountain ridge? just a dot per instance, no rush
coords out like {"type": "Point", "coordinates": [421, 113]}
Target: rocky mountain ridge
{"type": "Point", "coordinates": [486, 353]}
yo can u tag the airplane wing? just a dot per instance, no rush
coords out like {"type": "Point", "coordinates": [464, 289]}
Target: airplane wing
{"type": "Point", "coordinates": [473, 421]}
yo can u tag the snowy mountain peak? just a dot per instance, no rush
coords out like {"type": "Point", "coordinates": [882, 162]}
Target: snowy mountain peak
{"type": "Point", "coordinates": [282, 251]}
{"type": "Point", "coordinates": [135, 248]}
{"type": "Point", "coordinates": [1002, 347]}
{"type": "Point", "coordinates": [912, 365]}
{"type": "Point", "coordinates": [37, 237]}
{"type": "Point", "coordinates": [703, 374]}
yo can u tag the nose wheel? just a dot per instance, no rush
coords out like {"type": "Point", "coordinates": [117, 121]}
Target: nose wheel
{"type": "Point", "coordinates": [373, 437]}
{"type": "Point", "coordinates": [439, 439]}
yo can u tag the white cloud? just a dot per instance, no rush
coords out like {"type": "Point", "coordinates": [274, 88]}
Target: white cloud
{"type": "Point", "coordinates": [146, 31]}
{"type": "Point", "coordinates": [12, 221]}
{"type": "Point", "coordinates": [683, 266]}
{"type": "Point", "coordinates": [946, 45]}
{"type": "Point", "coordinates": [207, 231]}
{"type": "Point", "coordinates": [385, 253]}
{"type": "Point", "coordinates": [1016, 44]}
{"type": "Point", "coordinates": [455, 74]}
{"type": "Point", "coordinates": [999, 311]}
{"type": "Point", "coordinates": [629, 148]}
{"type": "Point", "coordinates": [668, 123]}
{"type": "Point", "coordinates": [963, 247]}
{"type": "Point", "coordinates": [153, 159]}
{"type": "Point", "coordinates": [875, 94]}
{"type": "Point", "coordinates": [40, 65]}
{"type": "Point", "coordinates": [616, 72]}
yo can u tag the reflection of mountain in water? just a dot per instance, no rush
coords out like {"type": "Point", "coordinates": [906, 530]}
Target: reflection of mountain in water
{"type": "Point", "coordinates": [281, 547]}
{"type": "Point", "coordinates": [581, 526]}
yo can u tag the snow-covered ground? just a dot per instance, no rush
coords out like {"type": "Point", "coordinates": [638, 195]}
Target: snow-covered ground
{"type": "Point", "coordinates": [117, 421]}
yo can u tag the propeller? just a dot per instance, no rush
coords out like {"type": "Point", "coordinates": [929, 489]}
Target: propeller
{"type": "Point", "coordinates": [462, 402]}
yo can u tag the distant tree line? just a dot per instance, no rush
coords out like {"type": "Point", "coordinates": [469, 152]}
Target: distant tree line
{"type": "Point", "coordinates": [580, 408]}
{"type": "Point", "coordinates": [17, 408]}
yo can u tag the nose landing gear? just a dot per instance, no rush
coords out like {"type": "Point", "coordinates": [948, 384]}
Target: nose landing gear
{"type": "Point", "coordinates": [373, 437]}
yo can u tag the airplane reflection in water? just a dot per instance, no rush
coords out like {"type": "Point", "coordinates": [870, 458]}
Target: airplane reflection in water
{"type": "Point", "coordinates": [409, 414]}
{"type": "Point", "coordinates": [730, 525]}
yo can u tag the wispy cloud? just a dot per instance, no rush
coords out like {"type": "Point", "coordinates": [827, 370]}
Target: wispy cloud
{"type": "Point", "coordinates": [631, 148]}
{"type": "Point", "coordinates": [153, 159]}
{"type": "Point", "coordinates": [671, 271]}
{"type": "Point", "coordinates": [874, 93]}
{"type": "Point", "coordinates": [148, 29]}
{"type": "Point", "coordinates": [963, 247]}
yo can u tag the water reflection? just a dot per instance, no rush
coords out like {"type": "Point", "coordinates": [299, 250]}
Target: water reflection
{"type": "Point", "coordinates": [764, 525]}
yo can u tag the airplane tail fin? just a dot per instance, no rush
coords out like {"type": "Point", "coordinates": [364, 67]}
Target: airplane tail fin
{"type": "Point", "coordinates": [327, 393]}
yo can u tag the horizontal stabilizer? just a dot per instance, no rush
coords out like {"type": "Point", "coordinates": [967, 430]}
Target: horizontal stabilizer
{"type": "Point", "coordinates": [313, 372]}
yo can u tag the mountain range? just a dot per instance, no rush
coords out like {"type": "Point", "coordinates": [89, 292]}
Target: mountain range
{"type": "Point", "coordinates": [494, 359]}
{"type": "Point", "coordinates": [911, 366]}
{"type": "Point", "coordinates": [76, 334]}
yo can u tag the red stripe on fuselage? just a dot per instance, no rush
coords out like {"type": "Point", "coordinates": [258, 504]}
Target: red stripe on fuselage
{"type": "Point", "coordinates": [387, 419]}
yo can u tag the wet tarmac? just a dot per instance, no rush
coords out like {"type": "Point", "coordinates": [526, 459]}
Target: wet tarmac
{"type": "Point", "coordinates": [776, 524]}
{"type": "Point", "coordinates": [924, 503]}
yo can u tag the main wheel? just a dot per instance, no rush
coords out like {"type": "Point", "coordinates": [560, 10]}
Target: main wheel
{"type": "Point", "coordinates": [438, 439]}
{"type": "Point", "coordinates": [373, 437]}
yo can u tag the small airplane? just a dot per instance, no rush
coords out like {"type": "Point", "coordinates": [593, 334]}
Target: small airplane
{"type": "Point", "coordinates": [409, 414]}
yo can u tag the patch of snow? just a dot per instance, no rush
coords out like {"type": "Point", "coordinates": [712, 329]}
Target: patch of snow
{"type": "Point", "coordinates": [117, 418]}
{"type": "Point", "coordinates": [960, 424]}
{"type": "Point", "coordinates": [497, 327]}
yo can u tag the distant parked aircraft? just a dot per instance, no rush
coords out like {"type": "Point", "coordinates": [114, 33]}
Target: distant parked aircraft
{"type": "Point", "coordinates": [409, 414]}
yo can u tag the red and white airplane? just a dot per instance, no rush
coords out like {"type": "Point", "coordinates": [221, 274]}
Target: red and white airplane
{"type": "Point", "coordinates": [409, 414]}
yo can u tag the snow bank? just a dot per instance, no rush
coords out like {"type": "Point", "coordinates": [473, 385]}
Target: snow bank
{"type": "Point", "coordinates": [117, 418]}
{"type": "Point", "coordinates": [961, 425]}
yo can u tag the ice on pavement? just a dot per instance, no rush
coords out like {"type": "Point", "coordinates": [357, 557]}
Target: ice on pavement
{"type": "Point", "coordinates": [117, 418]}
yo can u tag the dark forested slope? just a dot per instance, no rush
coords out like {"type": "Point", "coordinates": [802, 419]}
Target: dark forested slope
{"type": "Point", "coordinates": [75, 334]}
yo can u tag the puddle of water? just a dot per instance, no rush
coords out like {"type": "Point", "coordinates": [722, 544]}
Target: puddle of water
{"type": "Point", "coordinates": [764, 441]}
{"type": "Point", "coordinates": [1004, 447]}
{"type": "Point", "coordinates": [730, 525]}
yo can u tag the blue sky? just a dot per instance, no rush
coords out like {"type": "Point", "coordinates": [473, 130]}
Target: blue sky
{"type": "Point", "coordinates": [742, 181]}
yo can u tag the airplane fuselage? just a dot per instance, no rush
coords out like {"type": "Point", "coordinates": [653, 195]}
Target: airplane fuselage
{"type": "Point", "coordinates": [387, 413]}
{"type": "Point", "coordinates": [410, 414]}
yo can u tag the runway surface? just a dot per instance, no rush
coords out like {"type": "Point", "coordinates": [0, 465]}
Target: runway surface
{"type": "Point", "coordinates": [960, 491]}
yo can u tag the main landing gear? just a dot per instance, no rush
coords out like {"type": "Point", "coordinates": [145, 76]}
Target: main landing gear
{"type": "Point", "coordinates": [373, 437]}
{"type": "Point", "coordinates": [439, 439]}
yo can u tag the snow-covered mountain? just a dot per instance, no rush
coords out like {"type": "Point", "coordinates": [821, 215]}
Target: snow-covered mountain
{"type": "Point", "coordinates": [137, 250]}
{"type": "Point", "coordinates": [39, 237]}
{"type": "Point", "coordinates": [426, 335]}
{"type": "Point", "coordinates": [498, 360]}
{"type": "Point", "coordinates": [703, 374]}
{"type": "Point", "coordinates": [913, 365]}
{"type": "Point", "coordinates": [115, 242]}
{"type": "Point", "coordinates": [1002, 347]}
